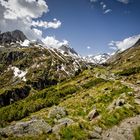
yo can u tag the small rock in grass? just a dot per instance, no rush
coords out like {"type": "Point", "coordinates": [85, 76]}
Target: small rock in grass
{"type": "Point", "coordinates": [62, 123]}
{"type": "Point", "coordinates": [120, 102]}
{"type": "Point", "coordinates": [57, 112]}
{"type": "Point", "coordinates": [98, 129]}
{"type": "Point", "coordinates": [94, 135]}
{"type": "Point", "coordinates": [93, 114]}
{"type": "Point", "coordinates": [130, 93]}
{"type": "Point", "coordinates": [137, 101]}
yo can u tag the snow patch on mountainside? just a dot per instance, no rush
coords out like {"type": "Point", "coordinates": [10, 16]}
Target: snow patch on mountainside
{"type": "Point", "coordinates": [25, 43]}
{"type": "Point", "coordinates": [19, 73]}
{"type": "Point", "coordinates": [63, 68]}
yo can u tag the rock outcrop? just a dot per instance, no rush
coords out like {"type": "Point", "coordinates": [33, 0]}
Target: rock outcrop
{"type": "Point", "coordinates": [124, 131]}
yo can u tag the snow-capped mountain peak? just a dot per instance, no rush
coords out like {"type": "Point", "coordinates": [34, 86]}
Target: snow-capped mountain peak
{"type": "Point", "coordinates": [97, 59]}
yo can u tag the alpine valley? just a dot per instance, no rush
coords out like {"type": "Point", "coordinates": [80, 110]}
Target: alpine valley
{"type": "Point", "coordinates": [56, 94]}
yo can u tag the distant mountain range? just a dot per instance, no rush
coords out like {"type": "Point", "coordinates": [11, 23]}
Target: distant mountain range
{"type": "Point", "coordinates": [97, 59]}
{"type": "Point", "coordinates": [18, 36]}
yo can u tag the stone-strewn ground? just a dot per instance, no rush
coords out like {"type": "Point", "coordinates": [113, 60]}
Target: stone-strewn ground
{"type": "Point", "coordinates": [124, 131]}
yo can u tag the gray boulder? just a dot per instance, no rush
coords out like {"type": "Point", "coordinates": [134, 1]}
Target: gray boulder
{"type": "Point", "coordinates": [32, 127]}
{"type": "Point", "coordinates": [94, 135]}
{"type": "Point", "coordinates": [57, 112]}
{"type": "Point", "coordinates": [137, 101]}
{"type": "Point", "coordinates": [98, 129]}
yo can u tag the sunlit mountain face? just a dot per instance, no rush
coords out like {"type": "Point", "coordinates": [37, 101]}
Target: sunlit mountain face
{"type": "Point", "coordinates": [69, 69]}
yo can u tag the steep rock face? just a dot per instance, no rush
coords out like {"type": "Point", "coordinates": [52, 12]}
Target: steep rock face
{"type": "Point", "coordinates": [8, 57]}
{"type": "Point", "coordinates": [42, 66]}
{"type": "Point", "coordinates": [12, 95]}
{"type": "Point", "coordinates": [13, 36]}
{"type": "Point", "coordinates": [68, 50]}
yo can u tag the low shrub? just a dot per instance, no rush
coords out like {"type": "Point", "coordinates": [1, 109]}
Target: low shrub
{"type": "Point", "coordinates": [130, 71]}
{"type": "Point", "coordinates": [92, 83]}
{"type": "Point", "coordinates": [35, 102]}
{"type": "Point", "coordinates": [73, 132]}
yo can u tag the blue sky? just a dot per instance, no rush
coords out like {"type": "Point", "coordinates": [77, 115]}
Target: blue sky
{"type": "Point", "coordinates": [84, 23]}
{"type": "Point", "coordinates": [90, 26]}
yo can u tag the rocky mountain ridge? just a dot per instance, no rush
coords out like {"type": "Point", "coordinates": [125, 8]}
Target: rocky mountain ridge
{"type": "Point", "coordinates": [14, 36]}
{"type": "Point", "coordinates": [19, 38]}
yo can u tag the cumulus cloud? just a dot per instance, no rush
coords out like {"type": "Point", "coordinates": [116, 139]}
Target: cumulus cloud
{"type": "Point", "coordinates": [124, 44]}
{"type": "Point", "coordinates": [38, 32]}
{"type": "Point", "coordinates": [15, 9]}
{"type": "Point", "coordinates": [53, 24]}
{"type": "Point", "coordinates": [51, 41]}
{"type": "Point", "coordinates": [124, 1]}
{"type": "Point", "coordinates": [23, 15]}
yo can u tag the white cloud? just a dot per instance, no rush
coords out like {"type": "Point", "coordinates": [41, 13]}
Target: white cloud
{"type": "Point", "coordinates": [38, 32]}
{"type": "Point", "coordinates": [124, 1]}
{"type": "Point", "coordinates": [54, 24]}
{"type": "Point", "coordinates": [21, 14]}
{"type": "Point", "coordinates": [124, 44]}
{"type": "Point", "coordinates": [51, 41]}
{"type": "Point", "coordinates": [88, 47]}
{"type": "Point", "coordinates": [15, 9]}
{"type": "Point", "coordinates": [104, 6]}
{"type": "Point", "coordinates": [107, 11]}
